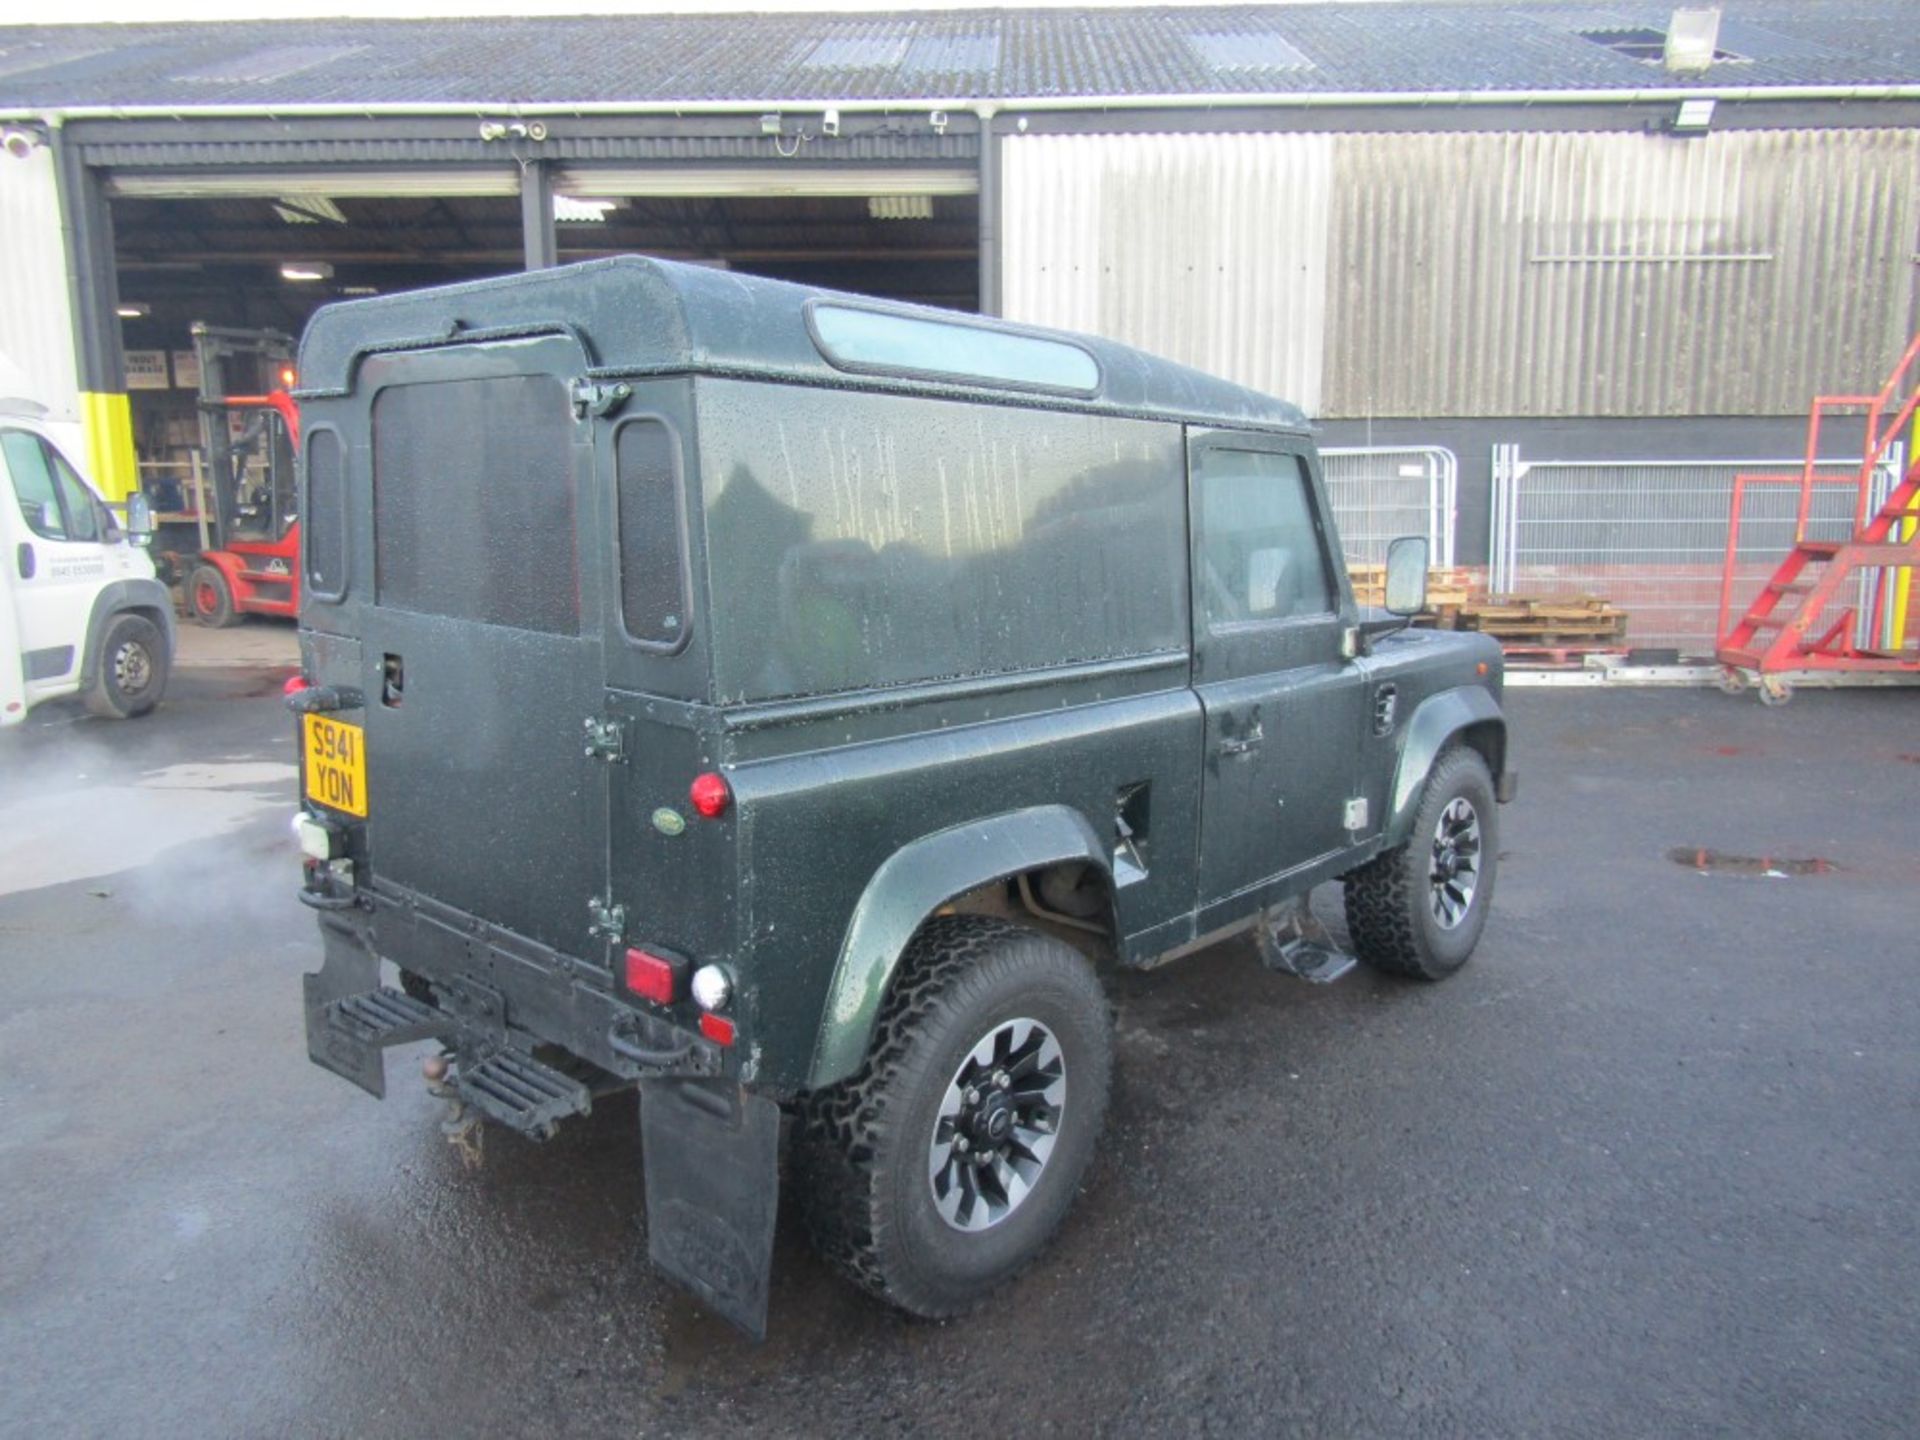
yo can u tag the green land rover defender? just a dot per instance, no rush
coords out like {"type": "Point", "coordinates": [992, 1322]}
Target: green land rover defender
{"type": "Point", "coordinates": [787, 703]}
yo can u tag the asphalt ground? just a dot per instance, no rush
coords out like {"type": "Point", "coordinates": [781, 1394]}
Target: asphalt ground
{"type": "Point", "coordinates": [1647, 1167]}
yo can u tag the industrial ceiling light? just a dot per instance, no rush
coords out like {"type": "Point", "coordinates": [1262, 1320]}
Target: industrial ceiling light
{"type": "Point", "coordinates": [900, 207]}
{"type": "Point", "coordinates": [306, 270]}
{"type": "Point", "coordinates": [571, 210]}
{"type": "Point", "coordinates": [133, 309]}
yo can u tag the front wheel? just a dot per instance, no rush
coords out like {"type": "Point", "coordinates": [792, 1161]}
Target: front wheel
{"type": "Point", "coordinates": [132, 673]}
{"type": "Point", "coordinates": [948, 1161]}
{"type": "Point", "coordinates": [1418, 910]}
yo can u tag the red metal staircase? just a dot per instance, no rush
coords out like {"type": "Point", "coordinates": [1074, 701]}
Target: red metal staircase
{"type": "Point", "coordinates": [1800, 620]}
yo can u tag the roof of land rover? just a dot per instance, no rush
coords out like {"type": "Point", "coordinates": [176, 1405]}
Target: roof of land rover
{"type": "Point", "coordinates": [639, 316]}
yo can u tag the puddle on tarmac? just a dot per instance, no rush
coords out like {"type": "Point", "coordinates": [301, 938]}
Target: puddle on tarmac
{"type": "Point", "coordinates": [1771, 867]}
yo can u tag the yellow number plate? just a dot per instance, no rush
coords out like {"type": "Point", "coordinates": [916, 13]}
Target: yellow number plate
{"type": "Point", "coordinates": [337, 765]}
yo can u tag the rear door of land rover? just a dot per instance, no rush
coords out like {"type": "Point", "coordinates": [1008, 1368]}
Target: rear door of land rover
{"type": "Point", "coordinates": [481, 652]}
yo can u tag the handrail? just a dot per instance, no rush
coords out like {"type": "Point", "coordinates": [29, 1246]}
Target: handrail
{"type": "Point", "coordinates": [1878, 440]}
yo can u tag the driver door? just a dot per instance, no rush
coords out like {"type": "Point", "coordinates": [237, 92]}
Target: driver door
{"type": "Point", "coordinates": [1283, 703]}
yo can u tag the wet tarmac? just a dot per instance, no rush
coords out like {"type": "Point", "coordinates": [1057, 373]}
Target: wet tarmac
{"type": "Point", "coordinates": [1646, 1168]}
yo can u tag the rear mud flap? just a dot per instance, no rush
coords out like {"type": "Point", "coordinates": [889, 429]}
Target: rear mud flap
{"type": "Point", "coordinates": [349, 969]}
{"type": "Point", "coordinates": [712, 1154]}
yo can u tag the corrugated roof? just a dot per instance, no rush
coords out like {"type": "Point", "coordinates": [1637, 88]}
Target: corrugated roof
{"type": "Point", "coordinates": [1467, 45]}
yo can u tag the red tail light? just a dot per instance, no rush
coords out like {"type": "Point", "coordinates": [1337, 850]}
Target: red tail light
{"type": "Point", "coordinates": [710, 795]}
{"type": "Point", "coordinates": [295, 684]}
{"type": "Point", "coordinates": [655, 977]}
{"type": "Point", "coordinates": [717, 1028]}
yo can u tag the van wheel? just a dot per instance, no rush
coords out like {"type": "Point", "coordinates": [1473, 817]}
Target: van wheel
{"type": "Point", "coordinates": [1418, 910]}
{"type": "Point", "coordinates": [132, 674]}
{"type": "Point", "coordinates": [949, 1160]}
{"type": "Point", "coordinates": [211, 598]}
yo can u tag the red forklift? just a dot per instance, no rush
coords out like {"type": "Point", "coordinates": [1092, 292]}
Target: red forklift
{"type": "Point", "coordinates": [250, 431]}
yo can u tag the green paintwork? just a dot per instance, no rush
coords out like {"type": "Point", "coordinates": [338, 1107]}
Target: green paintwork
{"type": "Point", "coordinates": [1437, 721]}
{"type": "Point", "coordinates": [914, 882]}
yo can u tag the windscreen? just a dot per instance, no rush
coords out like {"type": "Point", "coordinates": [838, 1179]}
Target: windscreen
{"type": "Point", "coordinates": [473, 498]}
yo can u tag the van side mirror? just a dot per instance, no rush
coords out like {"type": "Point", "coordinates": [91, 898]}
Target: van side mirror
{"type": "Point", "coordinates": [139, 518]}
{"type": "Point", "coordinates": [1407, 575]}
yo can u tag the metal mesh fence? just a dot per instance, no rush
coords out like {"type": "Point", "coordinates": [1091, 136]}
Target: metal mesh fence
{"type": "Point", "coordinates": [1381, 493]}
{"type": "Point", "coordinates": [1651, 536]}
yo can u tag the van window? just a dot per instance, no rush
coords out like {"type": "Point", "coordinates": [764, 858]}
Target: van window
{"type": "Point", "coordinates": [652, 589]}
{"type": "Point", "coordinates": [473, 502]}
{"type": "Point", "coordinates": [54, 501]}
{"type": "Point", "coordinates": [857, 540]}
{"type": "Point", "coordinates": [855, 338]}
{"type": "Point", "coordinates": [1261, 554]}
{"type": "Point", "coordinates": [326, 517]}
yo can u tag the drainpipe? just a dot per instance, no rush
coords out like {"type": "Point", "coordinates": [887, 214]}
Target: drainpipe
{"type": "Point", "coordinates": [989, 212]}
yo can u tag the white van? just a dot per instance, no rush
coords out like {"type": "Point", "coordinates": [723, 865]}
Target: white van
{"type": "Point", "coordinates": [80, 609]}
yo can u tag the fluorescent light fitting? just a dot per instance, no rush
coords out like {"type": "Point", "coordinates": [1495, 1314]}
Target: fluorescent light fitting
{"type": "Point", "coordinates": [1694, 114]}
{"type": "Point", "coordinates": [304, 270]}
{"type": "Point", "coordinates": [359, 289]}
{"type": "Point", "coordinates": [900, 207]}
{"type": "Point", "coordinates": [133, 309]}
{"type": "Point", "coordinates": [571, 210]}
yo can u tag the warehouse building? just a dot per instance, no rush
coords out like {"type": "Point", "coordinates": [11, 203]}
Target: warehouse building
{"type": "Point", "coordinates": [1475, 241]}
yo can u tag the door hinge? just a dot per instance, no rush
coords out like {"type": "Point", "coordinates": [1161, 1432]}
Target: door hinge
{"type": "Point", "coordinates": [590, 397]}
{"type": "Point", "coordinates": [1356, 814]}
{"type": "Point", "coordinates": [606, 739]}
{"type": "Point", "coordinates": [606, 918]}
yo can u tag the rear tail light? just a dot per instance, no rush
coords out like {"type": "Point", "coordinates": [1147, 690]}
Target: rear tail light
{"type": "Point", "coordinates": [659, 978]}
{"type": "Point", "coordinates": [717, 1028]}
{"type": "Point", "coordinates": [710, 795]}
{"type": "Point", "coordinates": [295, 684]}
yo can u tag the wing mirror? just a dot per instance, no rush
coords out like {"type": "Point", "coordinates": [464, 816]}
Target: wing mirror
{"type": "Point", "coordinates": [1407, 575]}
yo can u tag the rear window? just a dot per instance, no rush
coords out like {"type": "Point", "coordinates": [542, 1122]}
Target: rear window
{"type": "Point", "coordinates": [473, 502]}
{"type": "Point", "coordinates": [652, 590]}
{"type": "Point", "coordinates": [326, 517]}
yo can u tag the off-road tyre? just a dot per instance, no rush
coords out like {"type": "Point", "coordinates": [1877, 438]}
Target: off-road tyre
{"type": "Point", "coordinates": [860, 1154]}
{"type": "Point", "coordinates": [1390, 917]}
{"type": "Point", "coordinates": [131, 673]}
{"type": "Point", "coordinates": [210, 598]}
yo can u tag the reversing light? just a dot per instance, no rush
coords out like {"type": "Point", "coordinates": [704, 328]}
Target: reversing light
{"type": "Point", "coordinates": [654, 977]}
{"type": "Point", "coordinates": [711, 987]}
{"type": "Point", "coordinates": [710, 795]}
{"type": "Point", "coordinates": [317, 841]}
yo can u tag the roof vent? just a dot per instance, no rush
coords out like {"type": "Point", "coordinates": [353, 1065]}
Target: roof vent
{"type": "Point", "coordinates": [1679, 48]}
{"type": "Point", "coordinates": [1691, 35]}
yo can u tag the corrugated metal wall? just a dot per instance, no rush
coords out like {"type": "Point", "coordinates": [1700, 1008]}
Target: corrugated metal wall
{"type": "Point", "coordinates": [1208, 249]}
{"type": "Point", "coordinates": [1533, 274]}
{"type": "Point", "coordinates": [36, 330]}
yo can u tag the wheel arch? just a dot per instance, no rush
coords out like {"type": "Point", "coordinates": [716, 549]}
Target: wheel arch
{"type": "Point", "coordinates": [911, 885]}
{"type": "Point", "coordinates": [1469, 715]}
{"type": "Point", "coordinates": [146, 598]}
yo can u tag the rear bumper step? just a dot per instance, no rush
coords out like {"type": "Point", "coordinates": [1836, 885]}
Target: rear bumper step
{"type": "Point", "coordinates": [522, 1092]}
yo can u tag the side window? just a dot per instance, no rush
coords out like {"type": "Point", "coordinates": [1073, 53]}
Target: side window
{"type": "Point", "coordinates": [652, 589]}
{"type": "Point", "coordinates": [33, 484]}
{"type": "Point", "coordinates": [326, 517]}
{"type": "Point", "coordinates": [1262, 555]}
{"type": "Point", "coordinates": [84, 520]}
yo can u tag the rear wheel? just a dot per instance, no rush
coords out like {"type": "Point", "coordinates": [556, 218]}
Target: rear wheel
{"type": "Point", "coordinates": [947, 1163]}
{"type": "Point", "coordinates": [132, 673]}
{"type": "Point", "coordinates": [210, 598]}
{"type": "Point", "coordinates": [1418, 910]}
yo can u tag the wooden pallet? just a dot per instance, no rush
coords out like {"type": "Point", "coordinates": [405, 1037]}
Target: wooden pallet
{"type": "Point", "coordinates": [1447, 588]}
{"type": "Point", "coordinates": [1581, 621]}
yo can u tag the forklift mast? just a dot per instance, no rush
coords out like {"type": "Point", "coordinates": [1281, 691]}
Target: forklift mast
{"type": "Point", "coordinates": [247, 371]}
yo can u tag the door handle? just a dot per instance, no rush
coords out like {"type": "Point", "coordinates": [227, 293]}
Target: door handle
{"type": "Point", "coordinates": [24, 559]}
{"type": "Point", "coordinates": [1243, 744]}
